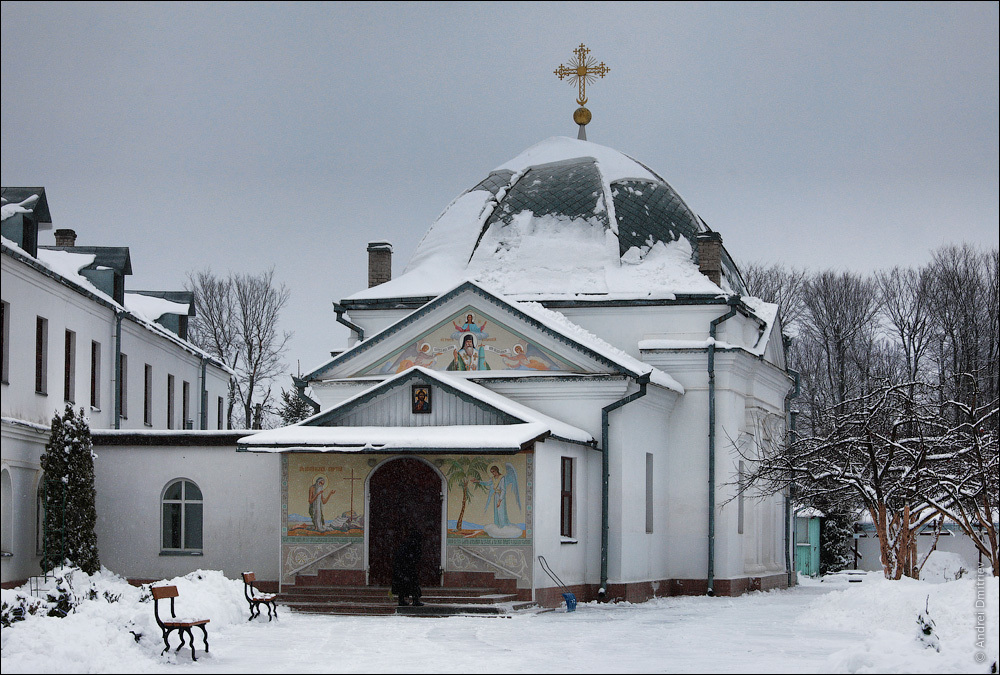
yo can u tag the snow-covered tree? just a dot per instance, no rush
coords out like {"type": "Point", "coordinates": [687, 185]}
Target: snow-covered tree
{"type": "Point", "coordinates": [70, 510]}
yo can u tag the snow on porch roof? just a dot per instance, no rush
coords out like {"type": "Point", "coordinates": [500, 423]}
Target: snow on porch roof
{"type": "Point", "coordinates": [477, 439]}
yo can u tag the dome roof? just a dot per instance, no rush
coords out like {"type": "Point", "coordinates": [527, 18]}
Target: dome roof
{"type": "Point", "coordinates": [565, 217]}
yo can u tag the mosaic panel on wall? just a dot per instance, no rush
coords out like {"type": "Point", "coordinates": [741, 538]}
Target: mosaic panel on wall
{"type": "Point", "coordinates": [471, 340]}
{"type": "Point", "coordinates": [489, 511]}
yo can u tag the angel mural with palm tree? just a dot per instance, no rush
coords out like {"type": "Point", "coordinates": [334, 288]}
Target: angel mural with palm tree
{"type": "Point", "coordinates": [467, 473]}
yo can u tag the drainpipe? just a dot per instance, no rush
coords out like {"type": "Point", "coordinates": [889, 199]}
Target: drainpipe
{"type": "Point", "coordinates": [790, 491]}
{"type": "Point", "coordinates": [358, 330]}
{"type": "Point", "coordinates": [119, 314]}
{"type": "Point", "coordinates": [605, 477]}
{"type": "Point", "coordinates": [300, 391]}
{"type": "Point", "coordinates": [203, 416]}
{"type": "Point", "coordinates": [733, 301]}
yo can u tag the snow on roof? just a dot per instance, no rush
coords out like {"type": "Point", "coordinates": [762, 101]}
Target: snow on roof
{"type": "Point", "coordinates": [152, 308]}
{"type": "Point", "coordinates": [67, 265]}
{"type": "Point", "coordinates": [546, 249]}
{"type": "Point", "coordinates": [559, 323]}
{"type": "Point", "coordinates": [477, 392]}
{"type": "Point", "coordinates": [8, 209]}
{"type": "Point", "coordinates": [556, 322]}
{"type": "Point", "coordinates": [614, 165]}
{"type": "Point", "coordinates": [511, 437]}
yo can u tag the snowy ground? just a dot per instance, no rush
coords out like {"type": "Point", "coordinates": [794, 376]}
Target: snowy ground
{"type": "Point", "coordinates": [816, 627]}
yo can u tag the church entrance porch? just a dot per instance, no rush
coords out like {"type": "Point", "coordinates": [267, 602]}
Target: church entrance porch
{"type": "Point", "coordinates": [404, 495]}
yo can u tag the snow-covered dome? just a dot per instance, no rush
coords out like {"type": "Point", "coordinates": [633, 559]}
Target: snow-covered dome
{"type": "Point", "coordinates": [565, 217]}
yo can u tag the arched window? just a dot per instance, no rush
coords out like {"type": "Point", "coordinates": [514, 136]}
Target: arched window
{"type": "Point", "coordinates": [182, 515]}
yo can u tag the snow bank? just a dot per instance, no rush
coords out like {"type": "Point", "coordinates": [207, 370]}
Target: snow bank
{"type": "Point", "coordinates": [113, 628]}
{"type": "Point", "coordinates": [886, 613]}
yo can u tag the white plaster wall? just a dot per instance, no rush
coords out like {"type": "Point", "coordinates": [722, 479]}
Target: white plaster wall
{"type": "Point", "coordinates": [955, 542]}
{"type": "Point", "coordinates": [579, 562]}
{"type": "Point", "coordinates": [241, 509]}
{"type": "Point", "coordinates": [22, 449]}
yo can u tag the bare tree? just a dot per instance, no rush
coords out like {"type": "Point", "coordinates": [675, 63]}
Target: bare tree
{"type": "Point", "coordinates": [237, 321]}
{"type": "Point", "coordinates": [872, 454]}
{"type": "Point", "coordinates": [778, 284]}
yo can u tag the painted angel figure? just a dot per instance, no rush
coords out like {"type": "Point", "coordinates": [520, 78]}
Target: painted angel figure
{"type": "Point", "coordinates": [501, 486]}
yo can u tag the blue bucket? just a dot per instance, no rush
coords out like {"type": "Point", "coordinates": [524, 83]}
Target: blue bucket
{"type": "Point", "coordinates": [570, 602]}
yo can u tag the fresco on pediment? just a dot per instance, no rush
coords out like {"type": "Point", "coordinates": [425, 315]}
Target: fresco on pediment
{"type": "Point", "coordinates": [470, 341]}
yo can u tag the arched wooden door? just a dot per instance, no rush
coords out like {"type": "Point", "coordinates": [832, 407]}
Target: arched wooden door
{"type": "Point", "coordinates": [404, 494]}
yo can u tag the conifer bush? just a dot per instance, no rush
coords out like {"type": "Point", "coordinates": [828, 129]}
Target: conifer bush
{"type": "Point", "coordinates": [69, 495]}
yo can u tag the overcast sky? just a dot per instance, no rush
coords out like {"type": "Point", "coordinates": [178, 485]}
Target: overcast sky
{"type": "Point", "coordinates": [243, 136]}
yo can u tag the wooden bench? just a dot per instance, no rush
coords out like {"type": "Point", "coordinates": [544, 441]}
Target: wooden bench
{"type": "Point", "coordinates": [255, 598]}
{"type": "Point", "coordinates": [182, 626]}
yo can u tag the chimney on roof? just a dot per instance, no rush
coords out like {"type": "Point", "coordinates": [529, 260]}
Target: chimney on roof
{"type": "Point", "coordinates": [65, 238]}
{"type": "Point", "coordinates": [710, 256]}
{"type": "Point", "coordinates": [379, 262]}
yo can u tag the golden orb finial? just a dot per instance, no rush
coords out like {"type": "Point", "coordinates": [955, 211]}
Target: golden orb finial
{"type": "Point", "coordinates": [582, 116]}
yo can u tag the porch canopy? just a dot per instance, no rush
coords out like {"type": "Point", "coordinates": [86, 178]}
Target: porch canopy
{"type": "Point", "coordinates": [468, 439]}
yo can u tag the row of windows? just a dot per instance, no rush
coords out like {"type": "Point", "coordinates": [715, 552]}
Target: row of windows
{"type": "Point", "coordinates": [69, 375]}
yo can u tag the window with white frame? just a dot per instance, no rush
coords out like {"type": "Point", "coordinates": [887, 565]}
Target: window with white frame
{"type": "Point", "coordinates": [182, 517]}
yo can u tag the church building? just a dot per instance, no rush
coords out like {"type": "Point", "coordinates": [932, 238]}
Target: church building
{"type": "Point", "coordinates": [562, 374]}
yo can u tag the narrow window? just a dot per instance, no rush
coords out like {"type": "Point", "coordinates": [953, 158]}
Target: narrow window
{"type": "Point", "coordinates": [69, 374]}
{"type": "Point", "coordinates": [147, 396]}
{"type": "Point", "coordinates": [170, 401]}
{"type": "Point", "coordinates": [123, 385]}
{"type": "Point", "coordinates": [220, 412]}
{"type": "Point", "coordinates": [649, 492]}
{"type": "Point", "coordinates": [566, 500]}
{"type": "Point", "coordinates": [95, 375]}
{"type": "Point", "coordinates": [182, 509]}
{"type": "Point", "coordinates": [186, 422]}
{"type": "Point", "coordinates": [41, 355]}
{"type": "Point", "coordinates": [741, 485]}
{"type": "Point", "coordinates": [5, 341]}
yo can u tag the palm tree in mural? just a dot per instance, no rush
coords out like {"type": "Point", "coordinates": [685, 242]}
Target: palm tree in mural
{"type": "Point", "coordinates": [467, 473]}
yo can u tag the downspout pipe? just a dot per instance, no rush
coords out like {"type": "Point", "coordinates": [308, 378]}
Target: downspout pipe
{"type": "Point", "coordinates": [642, 381]}
{"type": "Point", "coordinates": [300, 392]}
{"type": "Point", "coordinates": [358, 330]}
{"type": "Point", "coordinates": [733, 301]}
{"type": "Point", "coordinates": [789, 492]}
{"type": "Point", "coordinates": [119, 314]}
{"type": "Point", "coordinates": [203, 416]}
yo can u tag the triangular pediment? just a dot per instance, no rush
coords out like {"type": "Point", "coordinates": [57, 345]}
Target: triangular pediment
{"type": "Point", "coordinates": [470, 329]}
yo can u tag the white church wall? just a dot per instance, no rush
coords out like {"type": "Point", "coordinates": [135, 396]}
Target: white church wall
{"type": "Point", "coordinates": [576, 559]}
{"type": "Point", "coordinates": [643, 429]}
{"type": "Point", "coordinates": [241, 507]}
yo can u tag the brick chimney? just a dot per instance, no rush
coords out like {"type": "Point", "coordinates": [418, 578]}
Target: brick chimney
{"type": "Point", "coordinates": [710, 256]}
{"type": "Point", "coordinates": [379, 262]}
{"type": "Point", "coordinates": [65, 238]}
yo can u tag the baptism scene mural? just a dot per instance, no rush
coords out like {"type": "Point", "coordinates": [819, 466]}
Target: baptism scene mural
{"type": "Point", "coordinates": [471, 340]}
{"type": "Point", "coordinates": [487, 495]}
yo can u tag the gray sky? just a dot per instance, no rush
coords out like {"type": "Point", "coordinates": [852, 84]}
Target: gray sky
{"type": "Point", "coordinates": [241, 136]}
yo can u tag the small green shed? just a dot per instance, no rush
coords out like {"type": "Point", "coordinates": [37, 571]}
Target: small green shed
{"type": "Point", "coordinates": [807, 541]}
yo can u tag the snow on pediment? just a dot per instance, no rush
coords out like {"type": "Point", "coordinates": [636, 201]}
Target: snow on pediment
{"type": "Point", "coordinates": [420, 408]}
{"type": "Point", "coordinates": [469, 329]}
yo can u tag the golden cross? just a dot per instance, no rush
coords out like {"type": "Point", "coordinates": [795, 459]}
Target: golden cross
{"type": "Point", "coordinates": [586, 69]}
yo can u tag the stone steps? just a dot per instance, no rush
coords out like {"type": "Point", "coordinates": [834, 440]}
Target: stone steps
{"type": "Point", "coordinates": [376, 601]}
